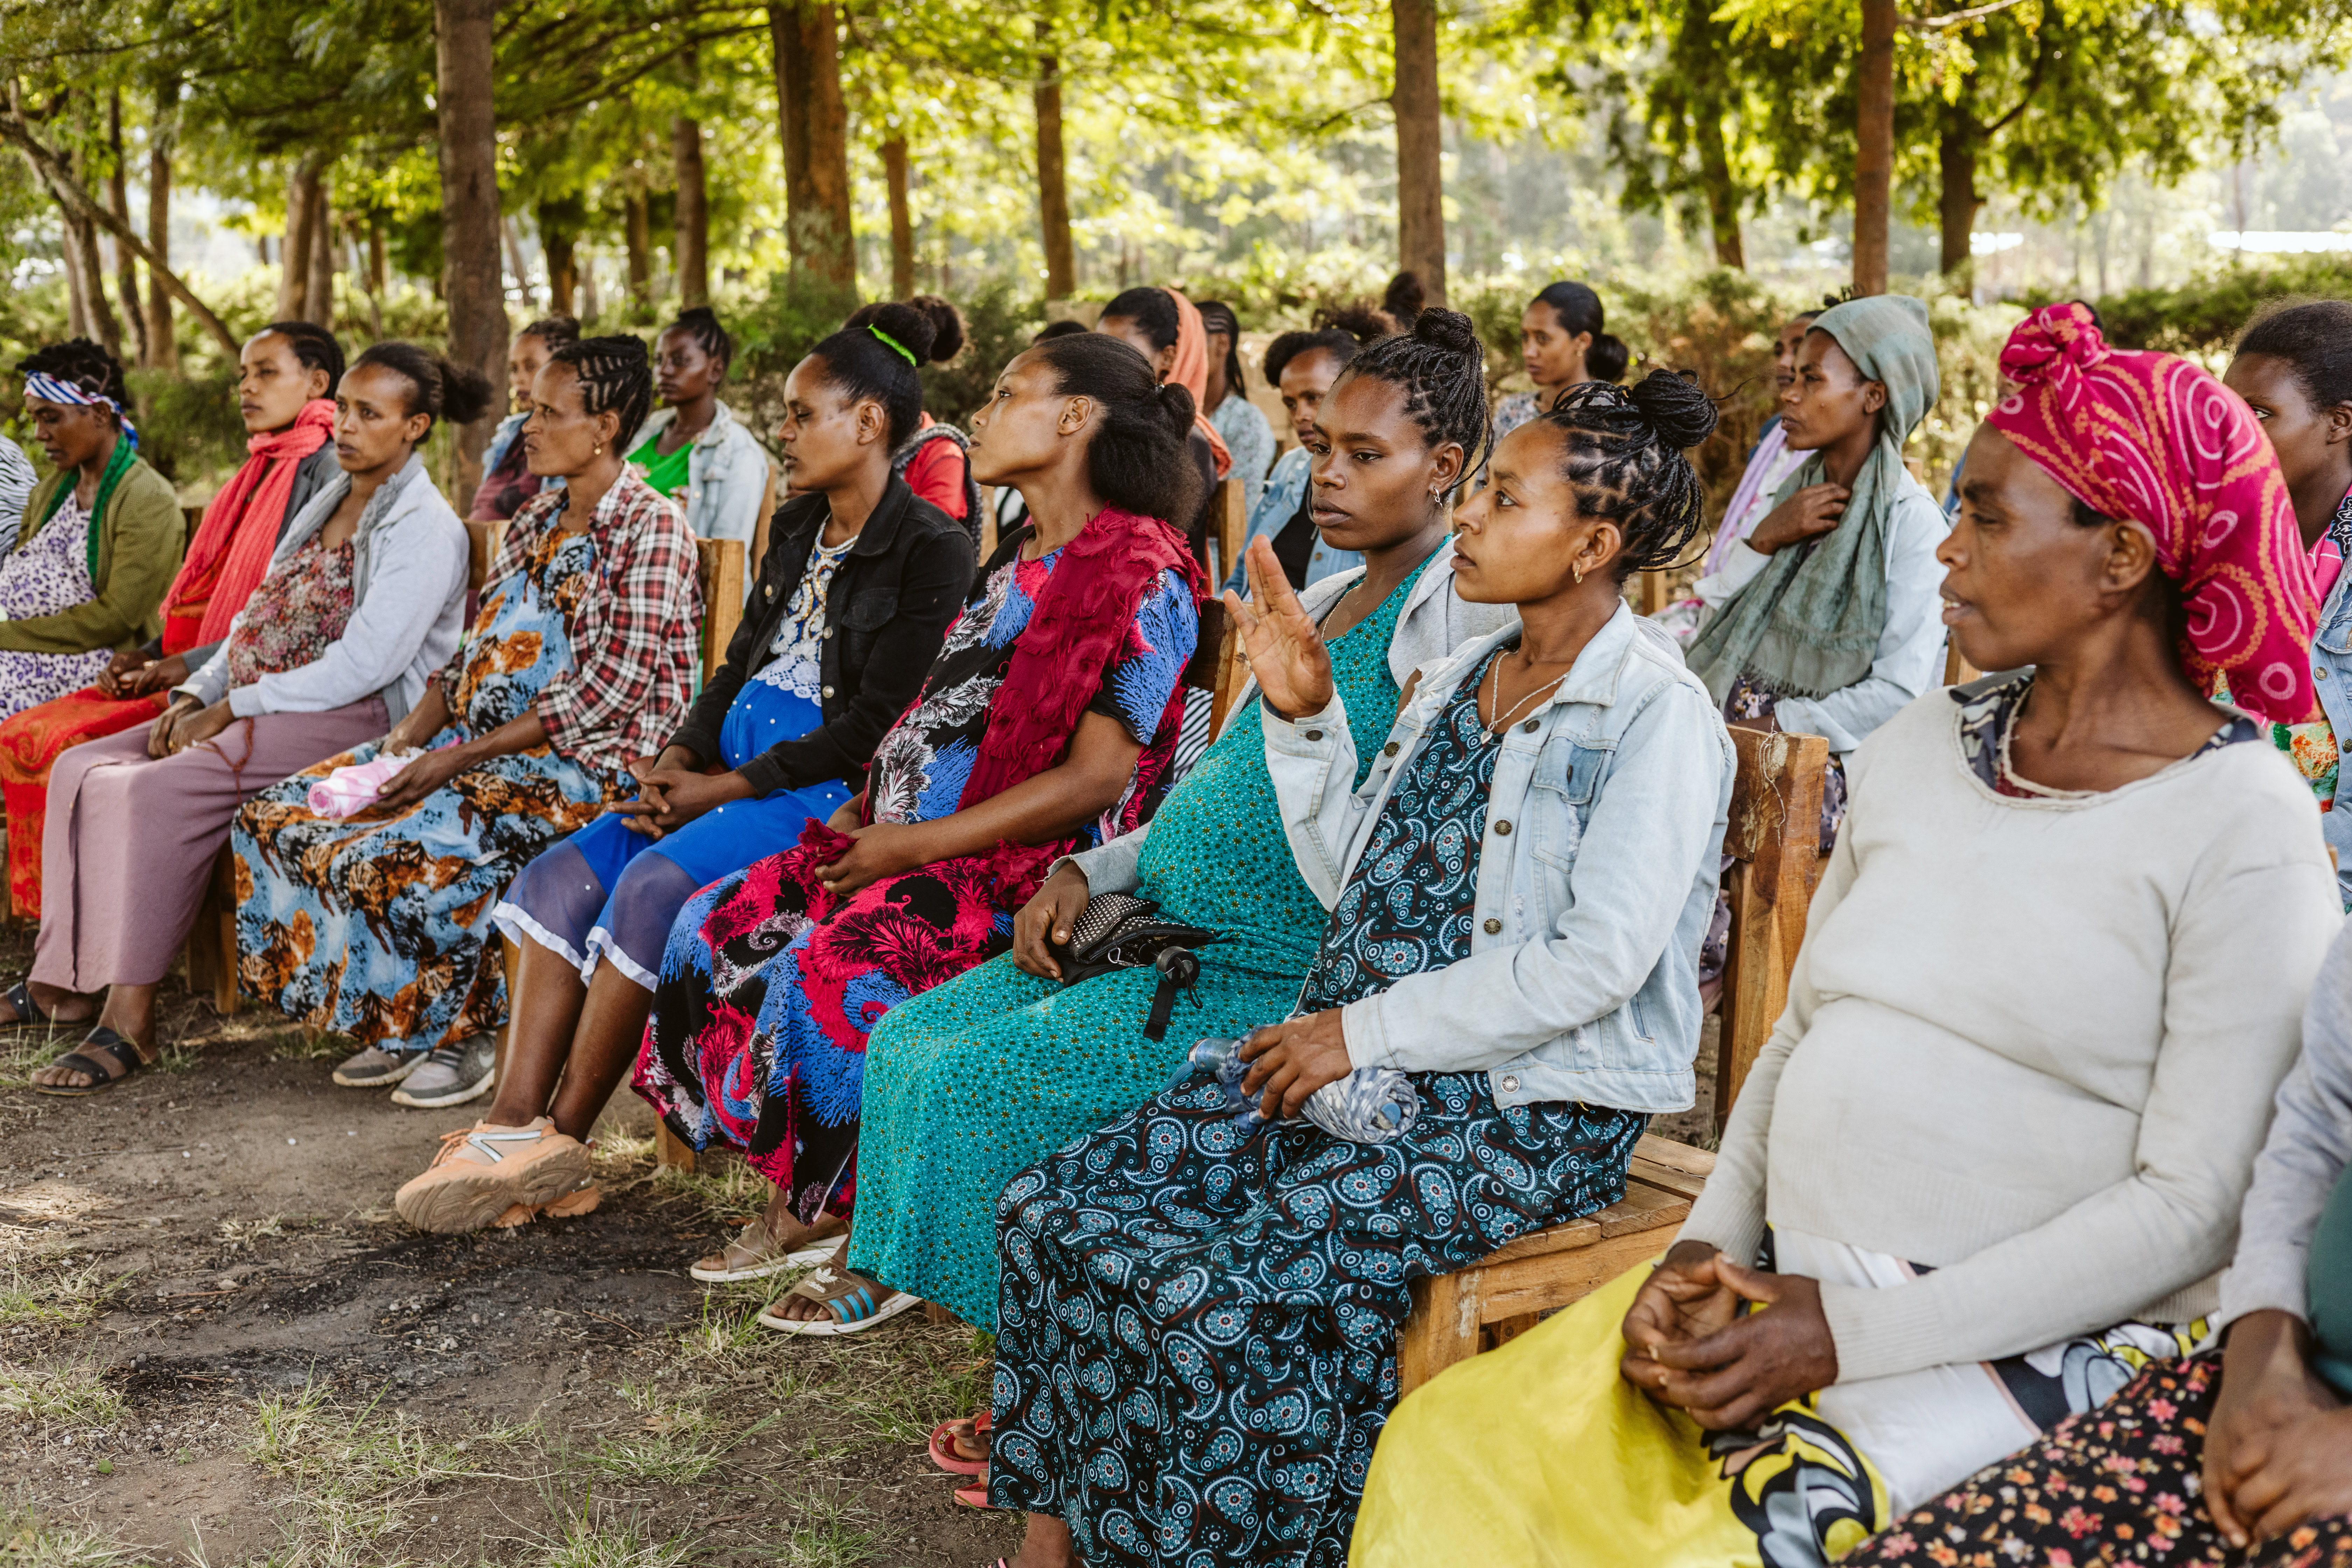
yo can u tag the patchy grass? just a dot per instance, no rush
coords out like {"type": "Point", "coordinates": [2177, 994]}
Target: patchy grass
{"type": "Point", "coordinates": [52, 1294]}
{"type": "Point", "coordinates": [307, 1045]}
{"type": "Point", "coordinates": [622, 1542]}
{"type": "Point", "coordinates": [30, 1539]}
{"type": "Point", "coordinates": [830, 1530]}
{"type": "Point", "coordinates": [71, 1395]}
{"type": "Point", "coordinates": [24, 1050]}
{"type": "Point", "coordinates": [239, 1235]}
{"type": "Point", "coordinates": [680, 1440]}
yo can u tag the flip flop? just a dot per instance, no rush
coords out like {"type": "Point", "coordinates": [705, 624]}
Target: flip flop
{"type": "Point", "coordinates": [126, 1056]}
{"type": "Point", "coordinates": [849, 1298]}
{"type": "Point", "coordinates": [754, 1240]}
{"type": "Point", "coordinates": [943, 1452]}
{"type": "Point", "coordinates": [976, 1496]}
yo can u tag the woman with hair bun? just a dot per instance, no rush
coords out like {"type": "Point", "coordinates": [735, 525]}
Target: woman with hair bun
{"type": "Point", "coordinates": [1561, 345]}
{"type": "Point", "coordinates": [1162, 326]}
{"type": "Point", "coordinates": [1231, 414]}
{"type": "Point", "coordinates": [1045, 725]}
{"type": "Point", "coordinates": [506, 479]}
{"type": "Point", "coordinates": [694, 449]}
{"type": "Point", "coordinates": [860, 583]}
{"type": "Point", "coordinates": [366, 898]}
{"type": "Point", "coordinates": [286, 374]}
{"type": "Point", "coordinates": [99, 540]}
{"type": "Point", "coordinates": [1198, 1309]}
{"type": "Point", "coordinates": [363, 601]}
{"type": "Point", "coordinates": [932, 459]}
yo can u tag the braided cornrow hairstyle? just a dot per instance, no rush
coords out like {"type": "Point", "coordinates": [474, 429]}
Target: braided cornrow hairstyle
{"type": "Point", "coordinates": [701, 324]}
{"type": "Point", "coordinates": [77, 362]}
{"type": "Point", "coordinates": [1623, 451]}
{"type": "Point", "coordinates": [314, 347]}
{"type": "Point", "coordinates": [615, 373]}
{"type": "Point", "coordinates": [1441, 369]}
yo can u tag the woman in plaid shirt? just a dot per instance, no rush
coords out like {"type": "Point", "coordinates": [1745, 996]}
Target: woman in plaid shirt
{"type": "Point", "coordinates": [378, 925]}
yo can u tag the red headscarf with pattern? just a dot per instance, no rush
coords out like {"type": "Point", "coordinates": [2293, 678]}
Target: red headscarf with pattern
{"type": "Point", "coordinates": [2150, 438]}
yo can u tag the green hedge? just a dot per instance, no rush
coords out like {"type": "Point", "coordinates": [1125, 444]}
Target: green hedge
{"type": "Point", "coordinates": [2203, 317]}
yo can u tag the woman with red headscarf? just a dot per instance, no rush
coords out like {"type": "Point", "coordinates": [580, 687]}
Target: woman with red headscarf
{"type": "Point", "coordinates": [1990, 1162]}
{"type": "Point", "coordinates": [285, 393]}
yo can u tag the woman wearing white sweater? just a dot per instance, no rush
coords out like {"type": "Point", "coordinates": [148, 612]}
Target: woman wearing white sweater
{"type": "Point", "coordinates": [1991, 1161]}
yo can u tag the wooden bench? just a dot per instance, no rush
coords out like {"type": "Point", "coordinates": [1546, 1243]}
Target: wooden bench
{"type": "Point", "coordinates": [1774, 838]}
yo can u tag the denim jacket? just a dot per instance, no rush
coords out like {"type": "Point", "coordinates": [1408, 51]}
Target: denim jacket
{"type": "Point", "coordinates": [1596, 877]}
{"type": "Point", "coordinates": [1276, 505]}
{"type": "Point", "coordinates": [2331, 670]}
{"type": "Point", "coordinates": [726, 475]}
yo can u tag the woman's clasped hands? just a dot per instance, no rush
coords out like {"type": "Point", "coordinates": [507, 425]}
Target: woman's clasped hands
{"type": "Point", "coordinates": [1690, 1344]}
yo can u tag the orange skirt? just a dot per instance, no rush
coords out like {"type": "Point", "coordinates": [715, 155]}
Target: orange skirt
{"type": "Point", "coordinates": [30, 744]}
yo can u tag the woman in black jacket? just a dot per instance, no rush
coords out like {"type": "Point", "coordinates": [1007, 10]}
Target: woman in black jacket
{"type": "Point", "coordinates": [858, 591]}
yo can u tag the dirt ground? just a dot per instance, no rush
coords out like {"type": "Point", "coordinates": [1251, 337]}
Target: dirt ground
{"type": "Point", "coordinates": [219, 1346]}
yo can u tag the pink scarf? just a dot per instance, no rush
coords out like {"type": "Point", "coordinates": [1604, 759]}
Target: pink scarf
{"type": "Point", "coordinates": [1190, 372]}
{"type": "Point", "coordinates": [2152, 440]}
{"type": "Point", "coordinates": [230, 554]}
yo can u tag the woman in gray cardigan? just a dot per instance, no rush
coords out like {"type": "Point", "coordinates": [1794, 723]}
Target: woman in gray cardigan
{"type": "Point", "coordinates": [364, 597]}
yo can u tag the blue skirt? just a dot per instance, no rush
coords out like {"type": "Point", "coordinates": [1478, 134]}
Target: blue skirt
{"type": "Point", "coordinates": [610, 892]}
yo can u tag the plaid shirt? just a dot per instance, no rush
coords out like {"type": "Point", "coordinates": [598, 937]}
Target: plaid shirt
{"type": "Point", "coordinates": [636, 641]}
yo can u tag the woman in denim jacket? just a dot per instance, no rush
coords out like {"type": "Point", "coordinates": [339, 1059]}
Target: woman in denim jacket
{"type": "Point", "coordinates": [1196, 1343]}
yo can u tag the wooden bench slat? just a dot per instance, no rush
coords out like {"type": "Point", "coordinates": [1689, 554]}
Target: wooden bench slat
{"type": "Point", "coordinates": [1643, 1208]}
{"type": "Point", "coordinates": [1541, 1284]}
{"type": "Point", "coordinates": [1657, 1151]}
{"type": "Point", "coordinates": [1569, 1238]}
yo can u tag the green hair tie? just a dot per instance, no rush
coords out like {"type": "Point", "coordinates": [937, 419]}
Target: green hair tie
{"type": "Point", "coordinates": [903, 350]}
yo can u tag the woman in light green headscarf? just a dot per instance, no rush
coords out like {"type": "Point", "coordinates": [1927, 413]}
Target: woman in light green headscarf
{"type": "Point", "coordinates": [1836, 622]}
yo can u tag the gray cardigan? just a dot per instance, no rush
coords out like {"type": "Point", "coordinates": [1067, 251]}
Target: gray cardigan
{"type": "Point", "coordinates": [2310, 1140]}
{"type": "Point", "coordinates": [1433, 622]}
{"type": "Point", "coordinates": [408, 606]}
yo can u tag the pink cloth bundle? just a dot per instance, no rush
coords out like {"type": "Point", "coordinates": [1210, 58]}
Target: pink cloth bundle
{"type": "Point", "coordinates": [349, 791]}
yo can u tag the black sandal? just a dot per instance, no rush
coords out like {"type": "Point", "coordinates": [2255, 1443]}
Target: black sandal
{"type": "Point", "coordinates": [126, 1056]}
{"type": "Point", "coordinates": [29, 1015]}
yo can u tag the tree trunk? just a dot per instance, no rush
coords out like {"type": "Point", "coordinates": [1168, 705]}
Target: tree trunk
{"type": "Point", "coordinates": [302, 200]}
{"type": "Point", "coordinates": [902, 222]}
{"type": "Point", "coordinates": [1873, 164]}
{"type": "Point", "coordinates": [693, 254]}
{"type": "Point", "coordinates": [1960, 201]}
{"type": "Point", "coordinates": [1698, 52]}
{"type": "Point", "coordinates": [1420, 146]}
{"type": "Point", "coordinates": [126, 270]}
{"type": "Point", "coordinates": [831, 245]}
{"type": "Point", "coordinates": [319, 295]}
{"type": "Point", "coordinates": [79, 323]}
{"type": "Point", "coordinates": [562, 266]}
{"type": "Point", "coordinates": [637, 226]}
{"type": "Point", "coordinates": [511, 237]}
{"type": "Point", "coordinates": [792, 117]}
{"type": "Point", "coordinates": [375, 279]}
{"type": "Point", "coordinates": [463, 51]}
{"type": "Point", "coordinates": [1053, 180]}
{"type": "Point", "coordinates": [163, 129]}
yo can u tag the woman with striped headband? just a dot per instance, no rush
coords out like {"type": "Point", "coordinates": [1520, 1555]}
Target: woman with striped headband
{"type": "Point", "coordinates": [99, 538]}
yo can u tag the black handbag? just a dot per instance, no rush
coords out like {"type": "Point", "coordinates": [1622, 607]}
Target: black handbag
{"type": "Point", "coordinates": [1118, 931]}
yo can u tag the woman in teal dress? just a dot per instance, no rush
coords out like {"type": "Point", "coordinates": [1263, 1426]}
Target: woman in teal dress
{"type": "Point", "coordinates": [971, 1081]}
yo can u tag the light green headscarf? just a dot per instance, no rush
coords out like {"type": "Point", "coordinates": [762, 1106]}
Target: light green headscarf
{"type": "Point", "coordinates": [1808, 623]}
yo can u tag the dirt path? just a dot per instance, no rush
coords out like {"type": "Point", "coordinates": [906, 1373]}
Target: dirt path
{"type": "Point", "coordinates": [219, 1346]}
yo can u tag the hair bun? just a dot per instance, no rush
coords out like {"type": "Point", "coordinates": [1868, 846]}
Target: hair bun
{"type": "Point", "coordinates": [947, 335]}
{"type": "Point", "coordinates": [1676, 408]}
{"type": "Point", "coordinates": [1177, 404]}
{"type": "Point", "coordinates": [1360, 322]}
{"type": "Point", "coordinates": [1448, 330]}
{"type": "Point", "coordinates": [907, 326]}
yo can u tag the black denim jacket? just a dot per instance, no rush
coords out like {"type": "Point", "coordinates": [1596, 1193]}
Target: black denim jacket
{"type": "Point", "coordinates": [887, 611]}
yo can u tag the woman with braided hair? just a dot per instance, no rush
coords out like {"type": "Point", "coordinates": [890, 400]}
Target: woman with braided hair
{"type": "Point", "coordinates": [99, 539]}
{"type": "Point", "coordinates": [694, 449]}
{"type": "Point", "coordinates": [1196, 1325]}
{"type": "Point", "coordinates": [374, 919]}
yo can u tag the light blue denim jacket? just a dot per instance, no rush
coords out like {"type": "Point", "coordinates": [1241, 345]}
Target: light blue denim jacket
{"type": "Point", "coordinates": [726, 475]}
{"type": "Point", "coordinates": [1596, 877]}
{"type": "Point", "coordinates": [1277, 504]}
{"type": "Point", "coordinates": [2331, 671]}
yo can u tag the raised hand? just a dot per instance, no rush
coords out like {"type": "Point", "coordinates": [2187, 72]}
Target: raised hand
{"type": "Point", "coordinates": [1286, 651]}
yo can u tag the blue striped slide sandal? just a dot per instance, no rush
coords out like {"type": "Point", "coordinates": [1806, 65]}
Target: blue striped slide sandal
{"type": "Point", "coordinates": [854, 1302]}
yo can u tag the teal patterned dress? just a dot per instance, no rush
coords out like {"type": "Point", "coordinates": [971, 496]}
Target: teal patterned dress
{"type": "Point", "coordinates": [975, 1079]}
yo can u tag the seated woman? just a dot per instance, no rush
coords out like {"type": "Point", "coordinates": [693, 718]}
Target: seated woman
{"type": "Point", "coordinates": [377, 925]}
{"type": "Point", "coordinates": [2294, 368]}
{"type": "Point", "coordinates": [101, 536]}
{"type": "Point", "coordinates": [694, 449]}
{"type": "Point", "coordinates": [931, 458]}
{"type": "Point", "coordinates": [1971, 1208]}
{"type": "Point", "coordinates": [286, 374]}
{"type": "Point", "coordinates": [1045, 723]}
{"type": "Point", "coordinates": [940, 1134]}
{"type": "Point", "coordinates": [1304, 366]}
{"type": "Point", "coordinates": [1829, 624]}
{"type": "Point", "coordinates": [1561, 345]}
{"type": "Point", "coordinates": [1162, 326]}
{"type": "Point", "coordinates": [794, 714]}
{"type": "Point", "coordinates": [364, 598]}
{"type": "Point", "coordinates": [1236, 420]}
{"type": "Point", "coordinates": [1197, 1317]}
{"type": "Point", "coordinates": [506, 479]}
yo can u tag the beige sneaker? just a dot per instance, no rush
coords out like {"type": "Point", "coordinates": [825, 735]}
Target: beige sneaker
{"type": "Point", "coordinates": [484, 1173]}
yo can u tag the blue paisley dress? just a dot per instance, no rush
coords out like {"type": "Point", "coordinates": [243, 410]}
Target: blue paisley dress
{"type": "Point", "coordinates": [378, 926]}
{"type": "Point", "coordinates": [1196, 1325]}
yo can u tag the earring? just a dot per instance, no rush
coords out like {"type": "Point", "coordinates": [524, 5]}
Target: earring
{"type": "Point", "coordinates": [1579, 571]}
{"type": "Point", "coordinates": [599, 451]}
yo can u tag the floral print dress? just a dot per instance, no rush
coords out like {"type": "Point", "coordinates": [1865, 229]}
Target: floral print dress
{"type": "Point", "coordinates": [40, 578]}
{"type": "Point", "coordinates": [769, 985]}
{"type": "Point", "coordinates": [1196, 1324]}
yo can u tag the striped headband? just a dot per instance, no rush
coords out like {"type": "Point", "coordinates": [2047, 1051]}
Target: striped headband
{"type": "Point", "coordinates": [49, 389]}
{"type": "Point", "coordinates": [906, 351]}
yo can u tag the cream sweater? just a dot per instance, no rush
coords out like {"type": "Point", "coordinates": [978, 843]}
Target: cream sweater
{"type": "Point", "coordinates": [2029, 1043]}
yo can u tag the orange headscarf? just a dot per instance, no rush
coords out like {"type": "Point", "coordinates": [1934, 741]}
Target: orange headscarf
{"type": "Point", "coordinates": [1190, 372]}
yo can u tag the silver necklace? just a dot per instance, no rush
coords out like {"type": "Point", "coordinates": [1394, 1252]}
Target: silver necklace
{"type": "Point", "coordinates": [1503, 720]}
